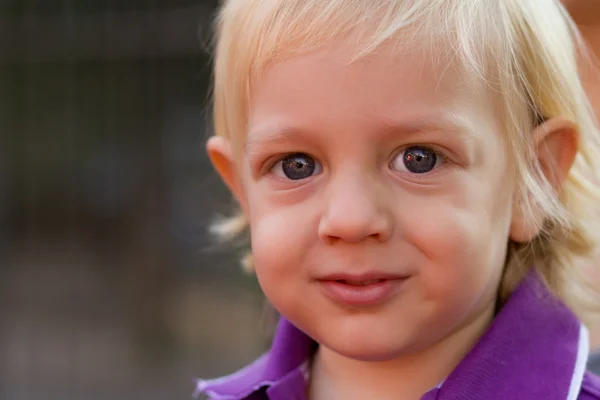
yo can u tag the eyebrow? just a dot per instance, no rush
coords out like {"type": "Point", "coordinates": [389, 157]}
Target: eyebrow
{"type": "Point", "coordinates": [274, 134]}
{"type": "Point", "coordinates": [448, 122]}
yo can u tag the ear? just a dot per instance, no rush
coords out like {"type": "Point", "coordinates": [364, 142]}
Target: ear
{"type": "Point", "coordinates": [556, 141]}
{"type": "Point", "coordinates": [221, 155]}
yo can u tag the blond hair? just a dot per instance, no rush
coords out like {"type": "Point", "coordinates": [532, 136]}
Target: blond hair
{"type": "Point", "coordinates": [525, 50]}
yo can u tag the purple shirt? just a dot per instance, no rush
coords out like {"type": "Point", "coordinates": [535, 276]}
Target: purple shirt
{"type": "Point", "coordinates": [534, 349]}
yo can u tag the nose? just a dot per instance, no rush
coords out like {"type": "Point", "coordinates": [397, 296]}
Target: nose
{"type": "Point", "coordinates": [356, 210]}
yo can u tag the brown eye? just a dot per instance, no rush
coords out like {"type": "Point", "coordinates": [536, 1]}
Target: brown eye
{"type": "Point", "coordinates": [297, 166]}
{"type": "Point", "coordinates": [416, 160]}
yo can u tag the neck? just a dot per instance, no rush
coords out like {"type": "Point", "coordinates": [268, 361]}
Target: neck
{"type": "Point", "coordinates": [334, 376]}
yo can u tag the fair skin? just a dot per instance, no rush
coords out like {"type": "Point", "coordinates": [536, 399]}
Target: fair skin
{"type": "Point", "coordinates": [394, 172]}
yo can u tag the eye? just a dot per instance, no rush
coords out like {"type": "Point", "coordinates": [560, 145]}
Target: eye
{"type": "Point", "coordinates": [417, 160]}
{"type": "Point", "coordinates": [297, 166]}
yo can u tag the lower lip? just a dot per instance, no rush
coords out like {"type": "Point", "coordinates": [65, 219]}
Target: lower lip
{"type": "Point", "coordinates": [366, 295]}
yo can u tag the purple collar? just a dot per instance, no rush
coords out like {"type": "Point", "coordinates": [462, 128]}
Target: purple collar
{"type": "Point", "coordinates": [534, 349]}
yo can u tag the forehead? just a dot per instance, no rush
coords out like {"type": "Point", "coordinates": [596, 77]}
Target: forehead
{"type": "Point", "coordinates": [394, 84]}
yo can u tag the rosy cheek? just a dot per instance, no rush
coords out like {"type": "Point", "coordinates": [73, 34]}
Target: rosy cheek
{"type": "Point", "coordinates": [280, 236]}
{"type": "Point", "coordinates": [280, 249]}
{"type": "Point", "coordinates": [452, 241]}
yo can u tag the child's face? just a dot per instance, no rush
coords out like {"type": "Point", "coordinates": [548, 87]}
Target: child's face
{"type": "Point", "coordinates": [392, 168]}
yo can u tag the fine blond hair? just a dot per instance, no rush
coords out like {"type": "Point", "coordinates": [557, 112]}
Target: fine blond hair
{"type": "Point", "coordinates": [526, 50]}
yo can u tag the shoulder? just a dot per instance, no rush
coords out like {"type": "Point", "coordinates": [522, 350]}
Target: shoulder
{"type": "Point", "coordinates": [590, 387]}
{"type": "Point", "coordinates": [239, 385]}
{"type": "Point", "coordinates": [279, 372]}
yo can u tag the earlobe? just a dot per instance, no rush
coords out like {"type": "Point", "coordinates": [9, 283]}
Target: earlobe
{"type": "Point", "coordinates": [556, 141]}
{"type": "Point", "coordinates": [221, 156]}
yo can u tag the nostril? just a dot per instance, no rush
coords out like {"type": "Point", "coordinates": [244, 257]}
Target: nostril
{"type": "Point", "coordinates": [354, 221]}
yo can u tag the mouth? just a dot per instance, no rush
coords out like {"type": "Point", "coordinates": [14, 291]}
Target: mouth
{"type": "Point", "coordinates": [360, 283]}
{"type": "Point", "coordinates": [366, 278]}
{"type": "Point", "coordinates": [362, 290]}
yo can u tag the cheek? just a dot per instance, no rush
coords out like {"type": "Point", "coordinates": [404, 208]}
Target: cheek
{"type": "Point", "coordinates": [463, 240]}
{"type": "Point", "coordinates": [282, 237]}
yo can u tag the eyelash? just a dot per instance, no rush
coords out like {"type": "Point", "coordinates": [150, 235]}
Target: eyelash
{"type": "Point", "coordinates": [442, 155]}
{"type": "Point", "coordinates": [439, 154]}
{"type": "Point", "coordinates": [318, 167]}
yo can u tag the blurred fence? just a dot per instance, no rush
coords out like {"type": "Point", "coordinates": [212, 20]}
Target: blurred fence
{"type": "Point", "coordinates": [109, 286]}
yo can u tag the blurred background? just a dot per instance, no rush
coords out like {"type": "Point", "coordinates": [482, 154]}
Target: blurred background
{"type": "Point", "coordinates": [110, 287]}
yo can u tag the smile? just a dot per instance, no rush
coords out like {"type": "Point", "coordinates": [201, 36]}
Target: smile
{"type": "Point", "coordinates": [361, 283]}
{"type": "Point", "coordinates": [361, 291]}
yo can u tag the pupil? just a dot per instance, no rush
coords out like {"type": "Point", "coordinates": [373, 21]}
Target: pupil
{"type": "Point", "coordinates": [298, 166]}
{"type": "Point", "coordinates": [419, 160]}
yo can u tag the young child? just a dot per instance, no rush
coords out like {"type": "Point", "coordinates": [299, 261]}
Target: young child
{"type": "Point", "coordinates": [420, 182]}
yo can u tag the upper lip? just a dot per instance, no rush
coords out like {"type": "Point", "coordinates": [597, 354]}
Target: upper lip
{"type": "Point", "coordinates": [363, 277]}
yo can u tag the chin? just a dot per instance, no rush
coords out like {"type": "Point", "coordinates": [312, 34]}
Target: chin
{"type": "Point", "coordinates": [369, 352]}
